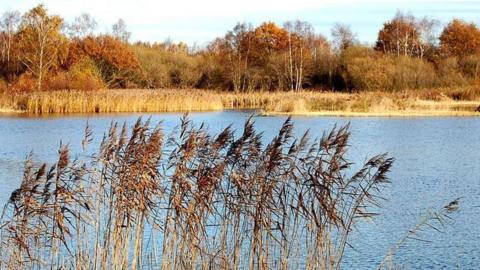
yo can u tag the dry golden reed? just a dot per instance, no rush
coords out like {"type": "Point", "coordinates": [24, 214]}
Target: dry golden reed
{"type": "Point", "coordinates": [443, 101]}
{"type": "Point", "coordinates": [196, 200]}
{"type": "Point", "coordinates": [191, 200]}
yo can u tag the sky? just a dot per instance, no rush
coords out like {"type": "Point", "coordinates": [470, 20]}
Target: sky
{"type": "Point", "coordinates": [200, 21]}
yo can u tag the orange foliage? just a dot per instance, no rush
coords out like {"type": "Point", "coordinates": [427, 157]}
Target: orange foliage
{"type": "Point", "coordinates": [268, 38]}
{"type": "Point", "coordinates": [83, 75]}
{"type": "Point", "coordinates": [460, 39]}
{"type": "Point", "coordinates": [114, 59]}
{"type": "Point", "coordinates": [106, 49]}
{"type": "Point", "coordinates": [26, 82]}
{"type": "Point", "coordinates": [398, 36]}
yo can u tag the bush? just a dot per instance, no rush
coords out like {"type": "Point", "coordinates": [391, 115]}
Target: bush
{"type": "Point", "coordinates": [83, 75]}
{"type": "Point", "coordinates": [470, 66]}
{"type": "Point", "coordinates": [153, 73]}
{"type": "Point", "coordinates": [448, 73]}
{"type": "Point", "coordinates": [26, 82]}
{"type": "Point", "coordinates": [115, 60]}
{"type": "Point", "coordinates": [162, 68]}
{"type": "Point", "coordinates": [369, 70]}
{"type": "Point", "coordinates": [3, 85]}
{"type": "Point", "coordinates": [58, 81]}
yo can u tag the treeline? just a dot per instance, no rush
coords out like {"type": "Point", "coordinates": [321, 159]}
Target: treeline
{"type": "Point", "coordinates": [40, 51]}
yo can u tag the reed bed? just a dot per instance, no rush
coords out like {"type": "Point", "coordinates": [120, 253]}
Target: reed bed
{"type": "Point", "coordinates": [192, 200]}
{"type": "Point", "coordinates": [443, 101]}
{"type": "Point", "coordinates": [196, 200]}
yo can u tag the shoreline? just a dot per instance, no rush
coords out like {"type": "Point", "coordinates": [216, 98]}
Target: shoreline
{"type": "Point", "coordinates": [426, 103]}
{"type": "Point", "coordinates": [392, 114]}
{"type": "Point", "coordinates": [377, 114]}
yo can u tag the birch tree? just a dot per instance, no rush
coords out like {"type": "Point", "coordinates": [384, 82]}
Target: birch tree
{"type": "Point", "coordinates": [399, 36]}
{"type": "Point", "coordinates": [9, 26]}
{"type": "Point", "coordinates": [238, 41]}
{"type": "Point", "coordinates": [119, 30]}
{"type": "Point", "coordinates": [82, 26]}
{"type": "Point", "coordinates": [300, 39]}
{"type": "Point", "coordinates": [427, 35]}
{"type": "Point", "coordinates": [40, 42]}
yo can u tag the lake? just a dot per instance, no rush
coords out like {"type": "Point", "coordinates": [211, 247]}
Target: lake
{"type": "Point", "coordinates": [437, 160]}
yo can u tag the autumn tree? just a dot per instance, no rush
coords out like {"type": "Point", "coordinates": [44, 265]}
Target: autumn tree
{"type": "Point", "coordinates": [300, 42]}
{"type": "Point", "coordinates": [40, 42]}
{"type": "Point", "coordinates": [269, 38]}
{"type": "Point", "coordinates": [9, 23]}
{"type": "Point", "coordinates": [119, 30]}
{"type": "Point", "coordinates": [324, 64]}
{"type": "Point", "coordinates": [113, 58]}
{"type": "Point", "coordinates": [399, 36]}
{"type": "Point", "coordinates": [460, 39]}
{"type": "Point", "coordinates": [238, 43]}
{"type": "Point", "coordinates": [269, 44]}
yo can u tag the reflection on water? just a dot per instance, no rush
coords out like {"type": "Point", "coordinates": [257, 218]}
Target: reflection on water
{"type": "Point", "coordinates": [437, 160]}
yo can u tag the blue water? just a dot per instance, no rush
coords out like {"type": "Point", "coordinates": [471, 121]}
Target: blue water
{"type": "Point", "coordinates": [437, 160]}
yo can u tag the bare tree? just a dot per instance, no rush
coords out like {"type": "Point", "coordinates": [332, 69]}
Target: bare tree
{"type": "Point", "coordinates": [119, 30]}
{"type": "Point", "coordinates": [82, 26]}
{"type": "Point", "coordinates": [343, 37]}
{"type": "Point", "coordinates": [427, 29]}
{"type": "Point", "coordinates": [9, 25]}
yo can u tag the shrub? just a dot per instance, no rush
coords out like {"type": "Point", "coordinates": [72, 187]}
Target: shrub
{"type": "Point", "coordinates": [163, 68]}
{"type": "Point", "coordinates": [115, 60]}
{"type": "Point", "coordinates": [470, 66]}
{"type": "Point", "coordinates": [83, 75]}
{"type": "Point", "coordinates": [3, 85]}
{"type": "Point", "coordinates": [25, 82]}
{"type": "Point", "coordinates": [368, 70]}
{"type": "Point", "coordinates": [448, 73]}
{"type": "Point", "coordinates": [58, 81]}
{"type": "Point", "coordinates": [152, 73]}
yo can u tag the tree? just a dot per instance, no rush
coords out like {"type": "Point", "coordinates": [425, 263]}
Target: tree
{"type": "Point", "coordinates": [119, 30]}
{"type": "Point", "coordinates": [40, 42]}
{"type": "Point", "coordinates": [8, 24]}
{"type": "Point", "coordinates": [427, 35]}
{"type": "Point", "coordinates": [324, 64]}
{"type": "Point", "coordinates": [239, 42]}
{"type": "Point", "coordinates": [300, 42]}
{"type": "Point", "coordinates": [343, 37]}
{"type": "Point", "coordinates": [113, 58]}
{"type": "Point", "coordinates": [269, 38]}
{"type": "Point", "coordinates": [460, 39]}
{"type": "Point", "coordinates": [82, 26]}
{"type": "Point", "coordinates": [269, 44]}
{"type": "Point", "coordinates": [399, 36]}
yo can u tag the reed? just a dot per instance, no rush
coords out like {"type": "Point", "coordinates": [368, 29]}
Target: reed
{"type": "Point", "coordinates": [192, 200]}
{"type": "Point", "coordinates": [442, 101]}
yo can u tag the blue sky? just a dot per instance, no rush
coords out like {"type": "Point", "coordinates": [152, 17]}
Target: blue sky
{"type": "Point", "coordinates": [202, 20]}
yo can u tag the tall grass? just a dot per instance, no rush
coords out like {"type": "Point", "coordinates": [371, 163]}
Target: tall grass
{"type": "Point", "coordinates": [192, 200]}
{"type": "Point", "coordinates": [428, 101]}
